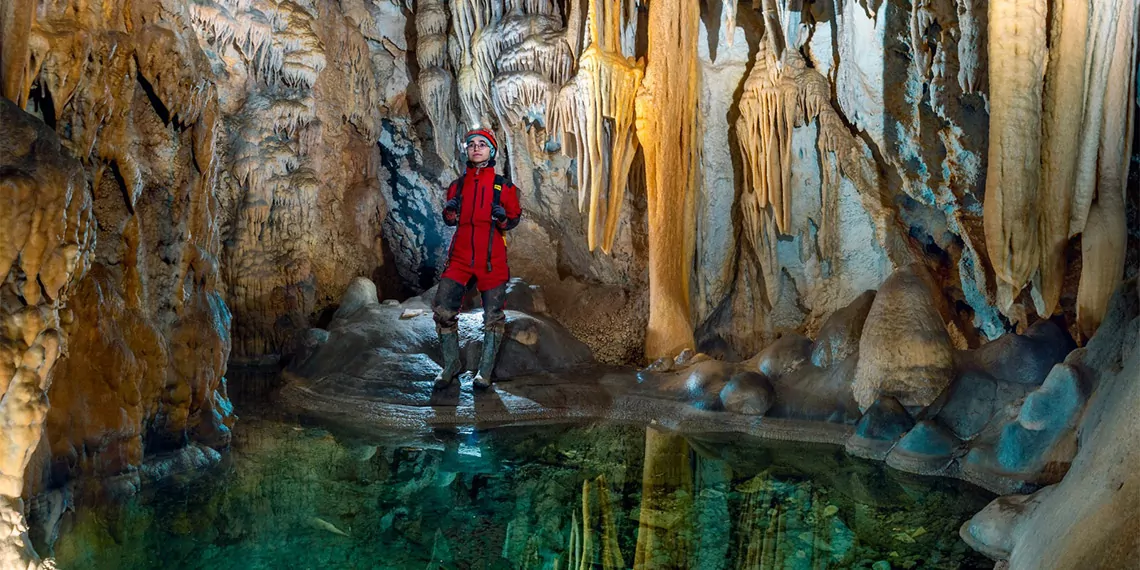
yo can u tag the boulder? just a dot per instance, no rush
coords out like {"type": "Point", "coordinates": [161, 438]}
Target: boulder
{"type": "Point", "coordinates": [524, 297]}
{"type": "Point", "coordinates": [700, 385]}
{"type": "Point", "coordinates": [1088, 519]}
{"type": "Point", "coordinates": [747, 393]}
{"type": "Point", "coordinates": [1020, 359]}
{"type": "Point", "coordinates": [813, 393]}
{"type": "Point", "coordinates": [990, 531]}
{"type": "Point", "coordinates": [973, 401]}
{"type": "Point", "coordinates": [788, 353]}
{"type": "Point", "coordinates": [927, 449]}
{"type": "Point", "coordinates": [904, 350]}
{"type": "Point", "coordinates": [373, 352]}
{"type": "Point", "coordinates": [839, 336]}
{"type": "Point", "coordinates": [361, 292]}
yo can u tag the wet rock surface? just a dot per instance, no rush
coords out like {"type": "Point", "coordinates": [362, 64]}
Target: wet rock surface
{"type": "Point", "coordinates": [390, 352]}
{"type": "Point", "coordinates": [1088, 519]}
{"type": "Point", "coordinates": [1002, 426]}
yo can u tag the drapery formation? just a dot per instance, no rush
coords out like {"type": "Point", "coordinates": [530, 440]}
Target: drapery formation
{"type": "Point", "coordinates": [1057, 166]}
{"type": "Point", "coordinates": [596, 108]}
{"type": "Point", "coordinates": [1017, 31]}
{"type": "Point", "coordinates": [780, 94]}
{"type": "Point", "coordinates": [435, 78]}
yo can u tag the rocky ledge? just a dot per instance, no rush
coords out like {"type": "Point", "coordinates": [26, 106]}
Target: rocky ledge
{"type": "Point", "coordinates": [880, 379]}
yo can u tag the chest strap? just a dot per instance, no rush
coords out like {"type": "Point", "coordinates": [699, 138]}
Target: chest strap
{"type": "Point", "coordinates": [494, 202]}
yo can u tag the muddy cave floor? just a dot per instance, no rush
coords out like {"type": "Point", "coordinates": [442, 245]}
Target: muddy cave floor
{"type": "Point", "coordinates": [499, 480]}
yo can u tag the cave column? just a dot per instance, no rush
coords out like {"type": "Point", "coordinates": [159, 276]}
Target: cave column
{"type": "Point", "coordinates": [667, 125]}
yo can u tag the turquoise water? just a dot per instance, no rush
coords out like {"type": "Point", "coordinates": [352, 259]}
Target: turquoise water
{"type": "Point", "coordinates": [601, 496]}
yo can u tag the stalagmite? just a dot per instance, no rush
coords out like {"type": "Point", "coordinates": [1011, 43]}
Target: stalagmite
{"type": "Point", "coordinates": [1017, 66]}
{"type": "Point", "coordinates": [667, 125]}
{"type": "Point", "coordinates": [597, 107]}
{"type": "Point", "coordinates": [1061, 126]}
{"type": "Point", "coordinates": [1106, 233]}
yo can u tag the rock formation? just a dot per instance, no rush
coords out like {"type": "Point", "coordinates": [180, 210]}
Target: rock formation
{"type": "Point", "coordinates": [47, 232]}
{"type": "Point", "coordinates": [667, 126]}
{"type": "Point", "coordinates": [715, 186]}
{"type": "Point", "coordinates": [1089, 518]}
{"type": "Point", "coordinates": [904, 350]}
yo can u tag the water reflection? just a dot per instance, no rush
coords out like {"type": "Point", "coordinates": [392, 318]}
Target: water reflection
{"type": "Point", "coordinates": [566, 498]}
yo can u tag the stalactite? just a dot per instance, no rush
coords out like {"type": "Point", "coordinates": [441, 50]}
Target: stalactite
{"type": "Point", "coordinates": [728, 21]}
{"type": "Point", "coordinates": [1102, 36]}
{"type": "Point", "coordinates": [519, 95]}
{"type": "Point", "coordinates": [764, 130]}
{"type": "Point", "coordinates": [435, 78]}
{"type": "Point", "coordinates": [1017, 65]}
{"type": "Point", "coordinates": [16, 76]}
{"type": "Point", "coordinates": [574, 558]}
{"type": "Point", "coordinates": [475, 51]}
{"type": "Point", "coordinates": [753, 532]}
{"type": "Point", "coordinates": [971, 75]}
{"type": "Point", "coordinates": [597, 108]}
{"type": "Point", "coordinates": [1061, 126]}
{"type": "Point", "coordinates": [304, 56]}
{"type": "Point", "coordinates": [1106, 233]}
{"type": "Point", "coordinates": [47, 242]}
{"type": "Point", "coordinates": [587, 559]}
{"type": "Point", "coordinates": [547, 55]}
{"type": "Point", "coordinates": [581, 552]}
{"type": "Point", "coordinates": [666, 108]}
{"type": "Point", "coordinates": [777, 98]}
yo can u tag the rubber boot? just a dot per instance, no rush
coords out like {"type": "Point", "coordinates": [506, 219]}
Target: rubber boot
{"type": "Point", "coordinates": [491, 342]}
{"type": "Point", "coordinates": [449, 342]}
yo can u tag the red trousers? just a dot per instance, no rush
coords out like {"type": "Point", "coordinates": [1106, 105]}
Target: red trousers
{"type": "Point", "coordinates": [462, 270]}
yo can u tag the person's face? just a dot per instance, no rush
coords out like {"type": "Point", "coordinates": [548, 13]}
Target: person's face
{"type": "Point", "coordinates": [478, 150]}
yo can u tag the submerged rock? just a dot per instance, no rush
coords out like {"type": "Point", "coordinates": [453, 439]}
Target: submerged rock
{"type": "Point", "coordinates": [879, 428]}
{"type": "Point", "coordinates": [926, 449]}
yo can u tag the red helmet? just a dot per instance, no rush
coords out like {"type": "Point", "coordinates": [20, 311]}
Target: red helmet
{"type": "Point", "coordinates": [485, 134]}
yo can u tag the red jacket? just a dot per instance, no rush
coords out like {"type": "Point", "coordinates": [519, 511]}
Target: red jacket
{"type": "Point", "coordinates": [469, 247]}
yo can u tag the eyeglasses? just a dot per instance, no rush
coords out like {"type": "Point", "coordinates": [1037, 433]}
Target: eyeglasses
{"type": "Point", "coordinates": [478, 144]}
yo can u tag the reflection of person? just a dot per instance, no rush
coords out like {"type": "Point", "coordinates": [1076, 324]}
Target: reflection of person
{"type": "Point", "coordinates": [483, 205]}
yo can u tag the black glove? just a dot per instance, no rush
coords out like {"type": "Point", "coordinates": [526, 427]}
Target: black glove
{"type": "Point", "coordinates": [499, 213]}
{"type": "Point", "coordinates": [451, 212]}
